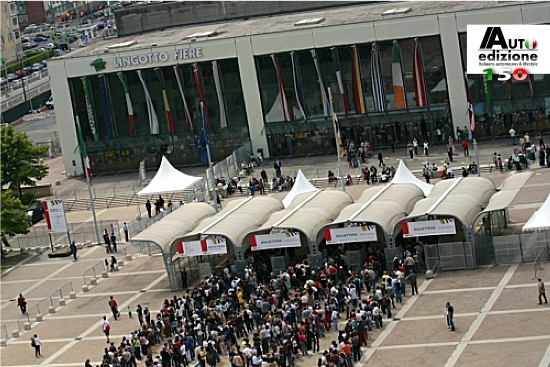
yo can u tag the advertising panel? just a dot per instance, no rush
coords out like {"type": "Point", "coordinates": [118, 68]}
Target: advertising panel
{"type": "Point", "coordinates": [364, 233]}
{"type": "Point", "coordinates": [429, 228]}
{"type": "Point", "coordinates": [275, 240]}
{"type": "Point", "coordinates": [55, 216]}
{"type": "Point", "coordinates": [215, 246]}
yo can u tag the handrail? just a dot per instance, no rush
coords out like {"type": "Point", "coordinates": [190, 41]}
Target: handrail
{"type": "Point", "coordinates": [107, 202]}
{"type": "Point", "coordinates": [128, 193]}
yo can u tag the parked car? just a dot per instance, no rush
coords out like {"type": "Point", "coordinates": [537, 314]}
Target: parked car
{"type": "Point", "coordinates": [15, 83]}
{"type": "Point", "coordinates": [11, 77]}
{"type": "Point", "coordinates": [43, 35]}
{"type": "Point", "coordinates": [35, 75]}
{"type": "Point", "coordinates": [35, 212]}
{"type": "Point", "coordinates": [49, 103]}
{"type": "Point", "coordinates": [57, 53]}
{"type": "Point", "coordinates": [39, 39]}
{"type": "Point", "coordinates": [26, 46]}
{"type": "Point", "coordinates": [3, 81]}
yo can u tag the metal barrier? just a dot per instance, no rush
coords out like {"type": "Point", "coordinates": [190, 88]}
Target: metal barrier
{"type": "Point", "coordinates": [62, 293]}
{"type": "Point", "coordinates": [93, 272]}
{"type": "Point", "coordinates": [516, 249]}
{"type": "Point", "coordinates": [231, 166]}
{"type": "Point", "coordinates": [449, 256]}
{"type": "Point", "coordinates": [22, 320]}
{"type": "Point", "coordinates": [41, 308]}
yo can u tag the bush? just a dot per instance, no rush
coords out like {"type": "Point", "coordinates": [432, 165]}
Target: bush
{"type": "Point", "coordinates": [27, 198]}
{"type": "Point", "coordinates": [31, 58]}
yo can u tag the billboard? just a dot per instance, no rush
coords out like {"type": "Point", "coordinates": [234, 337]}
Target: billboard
{"type": "Point", "coordinates": [55, 216]}
{"type": "Point", "coordinates": [364, 233]}
{"type": "Point", "coordinates": [210, 246]}
{"type": "Point", "coordinates": [429, 228]}
{"type": "Point", "coordinates": [275, 241]}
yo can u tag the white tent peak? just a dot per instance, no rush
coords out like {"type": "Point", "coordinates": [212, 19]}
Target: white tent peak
{"type": "Point", "coordinates": [168, 179]}
{"type": "Point", "coordinates": [540, 220]}
{"type": "Point", "coordinates": [404, 176]}
{"type": "Point", "coordinates": [301, 185]}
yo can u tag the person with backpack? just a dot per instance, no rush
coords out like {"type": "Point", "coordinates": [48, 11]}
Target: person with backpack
{"type": "Point", "coordinates": [36, 344]}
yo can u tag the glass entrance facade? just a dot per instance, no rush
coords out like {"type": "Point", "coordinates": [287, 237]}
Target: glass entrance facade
{"type": "Point", "coordinates": [118, 150]}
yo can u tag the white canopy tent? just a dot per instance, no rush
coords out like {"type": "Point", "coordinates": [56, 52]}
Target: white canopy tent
{"type": "Point", "coordinates": [404, 176]}
{"type": "Point", "coordinates": [540, 220]}
{"type": "Point", "coordinates": [301, 185]}
{"type": "Point", "coordinates": [168, 179]}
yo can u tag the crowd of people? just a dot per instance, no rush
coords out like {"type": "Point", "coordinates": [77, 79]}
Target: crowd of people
{"type": "Point", "coordinates": [266, 319]}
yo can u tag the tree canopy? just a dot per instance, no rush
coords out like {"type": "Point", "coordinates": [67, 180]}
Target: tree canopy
{"type": "Point", "coordinates": [20, 163]}
{"type": "Point", "coordinates": [14, 219]}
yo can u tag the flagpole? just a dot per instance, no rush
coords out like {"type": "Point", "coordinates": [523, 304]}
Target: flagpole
{"type": "Point", "coordinates": [336, 135]}
{"type": "Point", "coordinates": [89, 190]}
{"type": "Point", "coordinates": [211, 181]}
{"type": "Point", "coordinates": [477, 158]}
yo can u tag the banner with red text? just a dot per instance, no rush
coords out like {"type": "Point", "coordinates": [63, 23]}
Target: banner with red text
{"type": "Point", "coordinates": [210, 246]}
{"type": "Point", "coordinates": [429, 228]}
{"type": "Point", "coordinates": [275, 240]}
{"type": "Point", "coordinates": [364, 233]}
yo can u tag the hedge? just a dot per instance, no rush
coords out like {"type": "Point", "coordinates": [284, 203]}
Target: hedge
{"type": "Point", "coordinates": [28, 61]}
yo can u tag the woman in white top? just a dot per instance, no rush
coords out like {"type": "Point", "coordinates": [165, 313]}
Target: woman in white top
{"type": "Point", "coordinates": [35, 342]}
{"type": "Point", "coordinates": [106, 328]}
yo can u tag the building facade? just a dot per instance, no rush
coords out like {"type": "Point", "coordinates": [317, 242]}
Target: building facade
{"type": "Point", "coordinates": [138, 97]}
{"type": "Point", "coordinates": [30, 12]}
{"type": "Point", "coordinates": [10, 36]}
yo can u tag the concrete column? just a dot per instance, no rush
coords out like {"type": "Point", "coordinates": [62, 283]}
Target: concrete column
{"type": "Point", "coordinates": [454, 73]}
{"type": "Point", "coordinates": [251, 94]}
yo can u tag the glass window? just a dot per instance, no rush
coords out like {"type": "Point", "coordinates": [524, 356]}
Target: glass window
{"type": "Point", "coordinates": [2, 38]}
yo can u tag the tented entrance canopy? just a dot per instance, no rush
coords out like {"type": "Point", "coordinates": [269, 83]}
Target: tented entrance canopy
{"type": "Point", "coordinates": [301, 186]}
{"type": "Point", "coordinates": [404, 176]}
{"type": "Point", "coordinates": [168, 179]}
{"type": "Point", "coordinates": [540, 220]}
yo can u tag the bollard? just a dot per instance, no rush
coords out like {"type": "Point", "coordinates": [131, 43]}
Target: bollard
{"type": "Point", "coordinates": [24, 250]}
{"type": "Point", "coordinates": [121, 263]}
{"type": "Point", "coordinates": [39, 318]}
{"type": "Point", "coordinates": [88, 243]}
{"type": "Point", "coordinates": [3, 343]}
{"type": "Point", "coordinates": [51, 309]}
{"type": "Point", "coordinates": [27, 326]}
{"type": "Point", "coordinates": [105, 275]}
{"type": "Point", "coordinates": [61, 302]}
{"type": "Point", "coordinates": [80, 246]}
{"type": "Point", "coordinates": [58, 246]}
{"type": "Point", "coordinates": [93, 281]}
{"type": "Point", "coordinates": [72, 295]}
{"type": "Point", "coordinates": [57, 183]}
{"type": "Point", "coordinates": [85, 288]}
{"type": "Point", "coordinates": [129, 257]}
{"type": "Point", "coordinates": [429, 274]}
{"type": "Point", "coordinates": [15, 334]}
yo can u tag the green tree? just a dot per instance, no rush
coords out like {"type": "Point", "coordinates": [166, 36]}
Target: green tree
{"type": "Point", "coordinates": [20, 160]}
{"type": "Point", "coordinates": [14, 219]}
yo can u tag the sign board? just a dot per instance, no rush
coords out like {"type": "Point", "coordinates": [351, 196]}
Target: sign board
{"type": "Point", "coordinates": [429, 228]}
{"type": "Point", "coordinates": [275, 240]}
{"type": "Point", "coordinates": [364, 233]}
{"type": "Point", "coordinates": [55, 216]}
{"type": "Point", "coordinates": [210, 246]}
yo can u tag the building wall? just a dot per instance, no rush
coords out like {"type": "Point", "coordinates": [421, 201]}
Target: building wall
{"type": "Point", "coordinates": [11, 44]}
{"type": "Point", "coordinates": [247, 49]}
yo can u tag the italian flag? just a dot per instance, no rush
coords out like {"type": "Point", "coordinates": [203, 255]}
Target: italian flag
{"type": "Point", "coordinates": [397, 76]}
{"type": "Point", "coordinates": [84, 153]}
{"type": "Point", "coordinates": [122, 79]}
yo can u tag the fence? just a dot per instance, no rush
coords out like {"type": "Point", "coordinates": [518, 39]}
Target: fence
{"type": "Point", "coordinates": [449, 256]}
{"type": "Point", "coordinates": [78, 232]}
{"type": "Point", "coordinates": [231, 166]}
{"type": "Point", "coordinates": [93, 272]}
{"type": "Point", "coordinates": [41, 308]}
{"type": "Point", "coordinates": [516, 249]}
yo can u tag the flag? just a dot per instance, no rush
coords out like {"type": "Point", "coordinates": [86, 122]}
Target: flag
{"type": "Point", "coordinates": [106, 106]}
{"type": "Point", "coordinates": [84, 153]}
{"type": "Point", "coordinates": [356, 82]}
{"type": "Point", "coordinates": [471, 113]}
{"type": "Point", "coordinates": [297, 76]}
{"type": "Point", "coordinates": [203, 139]}
{"type": "Point", "coordinates": [179, 78]}
{"type": "Point", "coordinates": [397, 77]}
{"type": "Point", "coordinates": [122, 79]}
{"type": "Point", "coordinates": [221, 103]}
{"type": "Point", "coordinates": [337, 135]}
{"type": "Point", "coordinates": [418, 76]}
{"type": "Point", "coordinates": [284, 102]}
{"type": "Point", "coordinates": [336, 62]}
{"type": "Point", "coordinates": [376, 79]}
{"type": "Point", "coordinates": [167, 110]}
{"type": "Point", "coordinates": [325, 101]}
{"type": "Point", "coordinates": [89, 108]}
{"type": "Point", "coordinates": [153, 119]}
{"type": "Point", "coordinates": [200, 89]}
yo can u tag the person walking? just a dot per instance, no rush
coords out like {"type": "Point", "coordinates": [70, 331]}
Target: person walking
{"type": "Point", "coordinates": [114, 307]}
{"type": "Point", "coordinates": [36, 344]}
{"type": "Point", "coordinates": [125, 229]}
{"type": "Point", "coordinates": [106, 328]}
{"type": "Point", "coordinates": [380, 159]}
{"type": "Point", "coordinates": [73, 250]}
{"type": "Point", "coordinates": [149, 207]}
{"type": "Point", "coordinates": [415, 147]}
{"type": "Point", "coordinates": [410, 150]}
{"type": "Point", "coordinates": [426, 148]}
{"type": "Point", "coordinates": [542, 291]}
{"type": "Point", "coordinates": [465, 147]}
{"type": "Point", "coordinates": [113, 241]}
{"type": "Point", "coordinates": [277, 166]}
{"type": "Point", "coordinates": [22, 303]}
{"type": "Point", "coordinates": [107, 241]}
{"type": "Point", "coordinates": [139, 312]}
{"type": "Point", "coordinates": [412, 279]}
{"type": "Point", "coordinates": [184, 278]}
{"type": "Point", "coordinates": [449, 313]}
{"type": "Point", "coordinates": [512, 133]}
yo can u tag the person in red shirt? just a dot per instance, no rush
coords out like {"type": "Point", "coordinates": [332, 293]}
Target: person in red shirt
{"type": "Point", "coordinates": [465, 148]}
{"type": "Point", "coordinates": [22, 303]}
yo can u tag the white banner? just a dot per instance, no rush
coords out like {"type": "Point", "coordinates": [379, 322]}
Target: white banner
{"type": "Point", "coordinates": [507, 48]}
{"type": "Point", "coordinates": [275, 240]}
{"type": "Point", "coordinates": [55, 216]}
{"type": "Point", "coordinates": [429, 228]}
{"type": "Point", "coordinates": [216, 246]}
{"type": "Point", "coordinates": [365, 233]}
